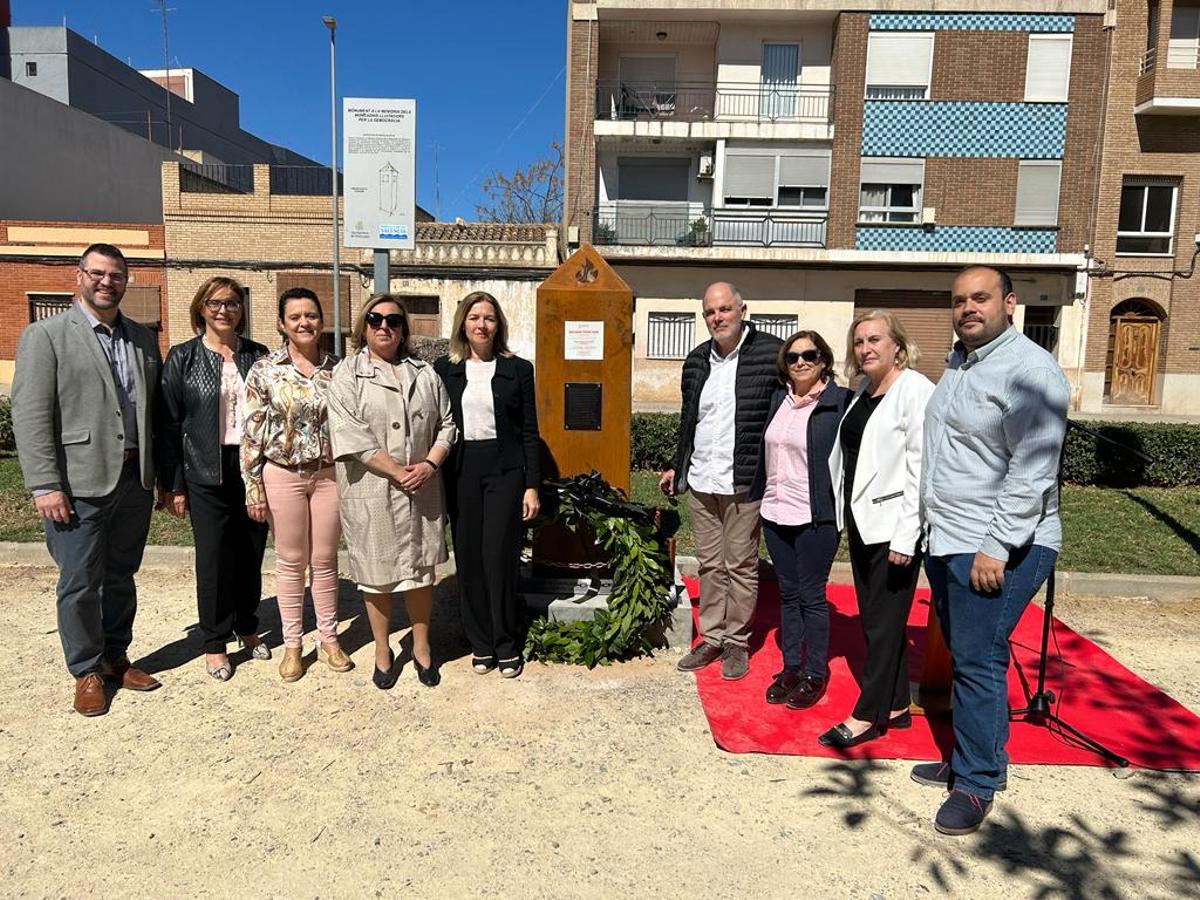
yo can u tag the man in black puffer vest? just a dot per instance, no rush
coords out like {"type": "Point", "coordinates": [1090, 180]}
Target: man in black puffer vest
{"type": "Point", "coordinates": [726, 386]}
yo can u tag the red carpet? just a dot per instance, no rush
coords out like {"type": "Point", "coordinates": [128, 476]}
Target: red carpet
{"type": "Point", "coordinates": [1096, 694]}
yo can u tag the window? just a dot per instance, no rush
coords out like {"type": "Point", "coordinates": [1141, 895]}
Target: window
{"type": "Point", "coordinates": [898, 65]}
{"type": "Point", "coordinates": [653, 179]}
{"type": "Point", "coordinates": [1145, 225]}
{"type": "Point", "coordinates": [1183, 47]}
{"type": "Point", "coordinates": [783, 327]}
{"type": "Point", "coordinates": [891, 190]}
{"type": "Point", "coordinates": [424, 314]}
{"type": "Point", "coordinates": [670, 335]}
{"type": "Point", "coordinates": [45, 304]}
{"type": "Point", "coordinates": [794, 178]}
{"type": "Point", "coordinates": [143, 304]}
{"type": "Point", "coordinates": [1048, 68]}
{"type": "Point", "coordinates": [1037, 192]}
{"type": "Point", "coordinates": [780, 72]}
{"type": "Point", "coordinates": [647, 85]}
{"type": "Point", "coordinates": [31, 70]}
{"type": "Point", "coordinates": [1041, 327]}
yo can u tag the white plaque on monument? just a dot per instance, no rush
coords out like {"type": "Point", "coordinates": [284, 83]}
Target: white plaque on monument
{"type": "Point", "coordinates": [583, 340]}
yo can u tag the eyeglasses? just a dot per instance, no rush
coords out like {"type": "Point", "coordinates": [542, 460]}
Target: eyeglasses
{"type": "Point", "coordinates": [98, 276]}
{"type": "Point", "coordinates": [233, 305]}
{"type": "Point", "coordinates": [376, 320]}
{"type": "Point", "coordinates": [809, 356]}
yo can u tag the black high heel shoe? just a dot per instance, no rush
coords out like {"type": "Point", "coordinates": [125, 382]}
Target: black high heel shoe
{"type": "Point", "coordinates": [430, 677]}
{"type": "Point", "coordinates": [385, 681]}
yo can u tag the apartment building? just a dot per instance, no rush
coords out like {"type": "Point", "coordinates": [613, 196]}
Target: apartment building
{"type": "Point", "coordinates": [828, 160]}
{"type": "Point", "coordinates": [1143, 350]}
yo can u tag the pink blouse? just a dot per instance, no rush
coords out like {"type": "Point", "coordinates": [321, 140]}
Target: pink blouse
{"type": "Point", "coordinates": [786, 500]}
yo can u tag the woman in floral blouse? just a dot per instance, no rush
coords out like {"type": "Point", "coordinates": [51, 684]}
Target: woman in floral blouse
{"type": "Point", "coordinates": [288, 469]}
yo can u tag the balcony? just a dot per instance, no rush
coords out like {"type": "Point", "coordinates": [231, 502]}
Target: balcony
{"type": "Point", "coordinates": [1169, 83]}
{"type": "Point", "coordinates": [713, 110]}
{"type": "Point", "coordinates": [662, 224]}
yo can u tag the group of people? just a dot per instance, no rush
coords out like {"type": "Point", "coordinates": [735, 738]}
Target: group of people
{"type": "Point", "coordinates": [377, 448]}
{"type": "Point", "coordinates": [962, 476]}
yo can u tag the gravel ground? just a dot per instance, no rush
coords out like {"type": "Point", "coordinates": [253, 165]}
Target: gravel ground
{"type": "Point", "coordinates": [563, 783]}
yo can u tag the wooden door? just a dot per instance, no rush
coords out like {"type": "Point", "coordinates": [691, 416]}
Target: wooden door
{"type": "Point", "coordinates": [1135, 357]}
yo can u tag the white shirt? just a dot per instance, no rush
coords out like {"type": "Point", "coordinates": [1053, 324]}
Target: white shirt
{"type": "Point", "coordinates": [711, 470]}
{"type": "Point", "coordinates": [479, 408]}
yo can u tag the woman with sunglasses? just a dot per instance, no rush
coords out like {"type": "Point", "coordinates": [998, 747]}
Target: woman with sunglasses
{"type": "Point", "coordinates": [492, 478]}
{"type": "Point", "coordinates": [202, 408]}
{"type": "Point", "coordinates": [287, 463]}
{"type": "Point", "coordinates": [876, 470]}
{"type": "Point", "coordinates": [391, 427]}
{"type": "Point", "coordinates": [799, 518]}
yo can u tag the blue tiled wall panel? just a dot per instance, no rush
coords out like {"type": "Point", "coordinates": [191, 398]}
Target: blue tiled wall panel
{"type": "Point", "coordinates": [961, 128]}
{"type": "Point", "coordinates": [956, 239]}
{"type": "Point", "coordinates": [971, 22]}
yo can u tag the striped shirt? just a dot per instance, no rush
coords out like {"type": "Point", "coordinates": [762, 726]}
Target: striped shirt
{"type": "Point", "coordinates": [994, 431]}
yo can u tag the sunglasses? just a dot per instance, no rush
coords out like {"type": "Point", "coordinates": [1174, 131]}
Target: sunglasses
{"type": "Point", "coordinates": [809, 356]}
{"type": "Point", "coordinates": [376, 320]}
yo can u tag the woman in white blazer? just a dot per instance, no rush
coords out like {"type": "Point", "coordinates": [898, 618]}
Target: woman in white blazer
{"type": "Point", "coordinates": [876, 471]}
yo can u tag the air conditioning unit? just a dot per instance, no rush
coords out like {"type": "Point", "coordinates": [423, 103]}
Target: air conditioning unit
{"type": "Point", "coordinates": [929, 215]}
{"type": "Point", "coordinates": [706, 166]}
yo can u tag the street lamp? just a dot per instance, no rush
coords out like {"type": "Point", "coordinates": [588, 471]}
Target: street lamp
{"type": "Point", "coordinates": [331, 24]}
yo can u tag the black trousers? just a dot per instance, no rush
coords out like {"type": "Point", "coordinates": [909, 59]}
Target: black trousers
{"type": "Point", "coordinates": [229, 553]}
{"type": "Point", "coordinates": [803, 555]}
{"type": "Point", "coordinates": [485, 504]}
{"type": "Point", "coordinates": [885, 593]}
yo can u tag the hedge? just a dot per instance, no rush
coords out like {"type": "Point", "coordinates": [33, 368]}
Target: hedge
{"type": "Point", "coordinates": [1086, 460]}
{"type": "Point", "coordinates": [7, 442]}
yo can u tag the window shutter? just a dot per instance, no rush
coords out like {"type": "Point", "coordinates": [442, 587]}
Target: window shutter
{"type": "Point", "coordinates": [899, 59]}
{"type": "Point", "coordinates": [1048, 67]}
{"type": "Point", "coordinates": [892, 171]}
{"type": "Point", "coordinates": [809, 169]}
{"type": "Point", "coordinates": [657, 71]}
{"type": "Point", "coordinates": [651, 179]}
{"type": "Point", "coordinates": [1037, 193]}
{"type": "Point", "coordinates": [749, 176]}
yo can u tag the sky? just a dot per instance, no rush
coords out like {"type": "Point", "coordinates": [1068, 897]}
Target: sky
{"type": "Point", "coordinates": [487, 74]}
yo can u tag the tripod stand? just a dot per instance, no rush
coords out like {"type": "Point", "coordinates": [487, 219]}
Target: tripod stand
{"type": "Point", "coordinates": [1038, 709]}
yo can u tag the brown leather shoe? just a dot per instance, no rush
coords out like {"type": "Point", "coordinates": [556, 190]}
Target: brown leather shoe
{"type": "Point", "coordinates": [129, 676]}
{"type": "Point", "coordinates": [90, 697]}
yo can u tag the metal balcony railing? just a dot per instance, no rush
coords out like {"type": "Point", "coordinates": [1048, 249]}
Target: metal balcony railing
{"type": "Point", "coordinates": [216, 178]}
{"type": "Point", "coordinates": [1184, 55]}
{"type": "Point", "coordinates": [697, 102]}
{"type": "Point", "coordinates": [664, 224]}
{"type": "Point", "coordinates": [1148, 60]}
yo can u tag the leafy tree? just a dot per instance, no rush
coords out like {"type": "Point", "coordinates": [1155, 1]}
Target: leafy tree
{"type": "Point", "coordinates": [533, 195]}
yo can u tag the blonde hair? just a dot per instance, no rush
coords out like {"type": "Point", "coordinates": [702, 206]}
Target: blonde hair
{"type": "Point", "coordinates": [205, 292]}
{"type": "Point", "coordinates": [460, 347]}
{"type": "Point", "coordinates": [358, 335]}
{"type": "Point", "coordinates": [907, 355]}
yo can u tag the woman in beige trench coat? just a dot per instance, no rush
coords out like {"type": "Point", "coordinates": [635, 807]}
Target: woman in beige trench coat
{"type": "Point", "coordinates": [391, 429]}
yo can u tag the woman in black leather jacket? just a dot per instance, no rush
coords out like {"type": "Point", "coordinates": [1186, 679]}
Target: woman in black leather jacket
{"type": "Point", "coordinates": [203, 385]}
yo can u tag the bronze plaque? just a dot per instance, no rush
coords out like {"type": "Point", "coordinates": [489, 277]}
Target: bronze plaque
{"type": "Point", "coordinates": [581, 406]}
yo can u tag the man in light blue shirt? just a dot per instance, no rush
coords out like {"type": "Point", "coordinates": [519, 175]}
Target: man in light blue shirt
{"type": "Point", "coordinates": [994, 431]}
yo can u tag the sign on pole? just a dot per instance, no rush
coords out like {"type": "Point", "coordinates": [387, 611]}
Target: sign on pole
{"type": "Point", "coordinates": [379, 158]}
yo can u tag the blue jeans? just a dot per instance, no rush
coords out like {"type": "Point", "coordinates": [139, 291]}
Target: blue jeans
{"type": "Point", "coordinates": [802, 555]}
{"type": "Point", "coordinates": [977, 627]}
{"type": "Point", "coordinates": [97, 554]}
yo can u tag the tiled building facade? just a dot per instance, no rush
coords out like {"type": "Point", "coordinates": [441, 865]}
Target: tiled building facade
{"type": "Point", "coordinates": [829, 161]}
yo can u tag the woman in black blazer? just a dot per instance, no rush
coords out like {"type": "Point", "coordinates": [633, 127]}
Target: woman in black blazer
{"type": "Point", "coordinates": [492, 477]}
{"type": "Point", "coordinates": [201, 416]}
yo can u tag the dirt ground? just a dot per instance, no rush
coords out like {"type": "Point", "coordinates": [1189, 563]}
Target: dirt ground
{"type": "Point", "coordinates": [564, 783]}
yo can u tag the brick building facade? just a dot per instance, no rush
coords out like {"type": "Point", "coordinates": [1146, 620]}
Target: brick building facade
{"type": "Point", "coordinates": [827, 161]}
{"type": "Point", "coordinates": [38, 262]}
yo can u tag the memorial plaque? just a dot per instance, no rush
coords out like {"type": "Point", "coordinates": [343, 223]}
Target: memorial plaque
{"type": "Point", "coordinates": [582, 406]}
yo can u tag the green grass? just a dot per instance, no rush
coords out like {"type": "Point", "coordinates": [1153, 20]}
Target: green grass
{"type": "Point", "coordinates": [1151, 531]}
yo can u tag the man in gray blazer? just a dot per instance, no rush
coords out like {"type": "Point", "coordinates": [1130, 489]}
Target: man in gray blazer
{"type": "Point", "coordinates": [83, 398]}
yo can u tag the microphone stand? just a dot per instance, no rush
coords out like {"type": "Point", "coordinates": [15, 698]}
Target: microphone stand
{"type": "Point", "coordinates": [1039, 707]}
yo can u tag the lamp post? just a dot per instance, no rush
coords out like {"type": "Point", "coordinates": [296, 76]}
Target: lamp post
{"type": "Point", "coordinates": [331, 24]}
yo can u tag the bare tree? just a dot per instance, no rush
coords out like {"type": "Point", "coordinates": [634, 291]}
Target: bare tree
{"type": "Point", "coordinates": [529, 196]}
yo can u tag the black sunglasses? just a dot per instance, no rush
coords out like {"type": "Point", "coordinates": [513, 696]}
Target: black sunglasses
{"type": "Point", "coordinates": [809, 356]}
{"type": "Point", "coordinates": [394, 320]}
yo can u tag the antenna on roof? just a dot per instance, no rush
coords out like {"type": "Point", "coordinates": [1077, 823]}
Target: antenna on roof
{"type": "Point", "coordinates": [162, 6]}
{"type": "Point", "coordinates": [437, 185]}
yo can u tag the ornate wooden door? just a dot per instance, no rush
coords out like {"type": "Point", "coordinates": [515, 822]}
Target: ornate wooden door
{"type": "Point", "coordinates": [1135, 357]}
